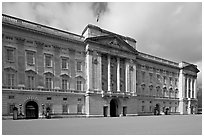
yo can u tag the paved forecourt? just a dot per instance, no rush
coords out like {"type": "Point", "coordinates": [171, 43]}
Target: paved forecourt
{"type": "Point", "coordinates": [140, 125]}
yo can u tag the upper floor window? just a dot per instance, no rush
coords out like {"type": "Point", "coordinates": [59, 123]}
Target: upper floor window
{"type": "Point", "coordinates": [10, 79]}
{"type": "Point", "coordinates": [48, 60]}
{"type": "Point", "coordinates": [64, 63]}
{"type": "Point", "coordinates": [164, 79]}
{"type": "Point", "coordinates": [79, 84]}
{"type": "Point", "coordinates": [10, 54]}
{"type": "Point", "coordinates": [79, 66]}
{"type": "Point", "coordinates": [30, 57]}
{"type": "Point", "coordinates": [150, 77]}
{"type": "Point", "coordinates": [170, 81]}
{"type": "Point", "coordinates": [48, 82]}
{"type": "Point", "coordinates": [176, 82]}
{"type": "Point", "coordinates": [65, 84]}
{"type": "Point", "coordinates": [158, 78]}
{"type": "Point", "coordinates": [143, 76]}
{"type": "Point", "coordinates": [31, 81]}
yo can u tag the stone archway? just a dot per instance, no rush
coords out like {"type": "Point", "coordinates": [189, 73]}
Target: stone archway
{"type": "Point", "coordinates": [114, 108]}
{"type": "Point", "coordinates": [31, 110]}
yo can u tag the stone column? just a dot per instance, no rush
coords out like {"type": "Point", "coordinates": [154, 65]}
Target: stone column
{"type": "Point", "coordinates": [181, 93]}
{"type": "Point", "coordinates": [118, 74]}
{"type": "Point", "coordinates": [127, 76]}
{"type": "Point", "coordinates": [134, 79]}
{"type": "Point", "coordinates": [89, 70]}
{"type": "Point", "coordinates": [195, 88]}
{"type": "Point", "coordinates": [99, 74]}
{"type": "Point", "coordinates": [187, 86]}
{"type": "Point", "coordinates": [190, 87]}
{"type": "Point", "coordinates": [109, 74]}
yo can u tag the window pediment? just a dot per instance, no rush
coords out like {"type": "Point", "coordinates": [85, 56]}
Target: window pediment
{"type": "Point", "coordinates": [11, 69]}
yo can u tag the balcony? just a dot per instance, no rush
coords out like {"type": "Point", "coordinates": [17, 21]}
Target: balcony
{"type": "Point", "coordinates": [116, 94]}
{"type": "Point", "coordinates": [11, 88]}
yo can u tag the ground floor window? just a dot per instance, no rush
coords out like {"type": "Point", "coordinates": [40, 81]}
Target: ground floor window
{"type": "Point", "coordinates": [11, 106]}
{"type": "Point", "coordinates": [150, 108]}
{"type": "Point", "coordinates": [64, 108]}
{"type": "Point", "coordinates": [79, 108]}
{"type": "Point", "coordinates": [142, 108]}
{"type": "Point", "coordinates": [176, 109]}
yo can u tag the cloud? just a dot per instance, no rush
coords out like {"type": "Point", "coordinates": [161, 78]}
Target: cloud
{"type": "Point", "coordinates": [168, 30]}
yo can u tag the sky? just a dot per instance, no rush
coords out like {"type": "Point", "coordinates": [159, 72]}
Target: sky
{"type": "Point", "coordinates": [171, 30]}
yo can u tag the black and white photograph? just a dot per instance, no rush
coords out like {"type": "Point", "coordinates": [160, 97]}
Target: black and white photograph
{"type": "Point", "coordinates": [101, 68]}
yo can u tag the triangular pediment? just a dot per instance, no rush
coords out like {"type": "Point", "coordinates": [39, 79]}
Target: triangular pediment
{"type": "Point", "coordinates": [192, 68]}
{"type": "Point", "coordinates": [113, 41]}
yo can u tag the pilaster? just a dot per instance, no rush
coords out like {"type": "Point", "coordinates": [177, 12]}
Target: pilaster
{"type": "Point", "coordinates": [134, 79]}
{"type": "Point", "coordinates": [109, 74]}
{"type": "Point", "coordinates": [118, 74]}
{"type": "Point", "coordinates": [89, 70]}
{"type": "Point", "coordinates": [127, 76]}
{"type": "Point", "coordinates": [99, 72]}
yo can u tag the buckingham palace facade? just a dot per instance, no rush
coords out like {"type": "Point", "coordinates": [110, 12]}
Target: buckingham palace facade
{"type": "Point", "coordinates": [97, 73]}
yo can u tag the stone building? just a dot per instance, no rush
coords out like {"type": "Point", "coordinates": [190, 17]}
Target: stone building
{"type": "Point", "coordinates": [98, 73]}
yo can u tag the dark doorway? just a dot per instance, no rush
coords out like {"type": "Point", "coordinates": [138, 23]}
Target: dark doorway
{"type": "Point", "coordinates": [31, 110]}
{"type": "Point", "coordinates": [113, 108]}
{"type": "Point", "coordinates": [105, 111]}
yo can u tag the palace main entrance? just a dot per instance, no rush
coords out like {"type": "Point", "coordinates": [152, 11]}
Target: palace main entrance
{"type": "Point", "coordinates": [114, 107]}
{"type": "Point", "coordinates": [31, 109]}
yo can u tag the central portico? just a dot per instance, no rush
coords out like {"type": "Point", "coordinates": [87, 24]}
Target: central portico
{"type": "Point", "coordinates": [111, 70]}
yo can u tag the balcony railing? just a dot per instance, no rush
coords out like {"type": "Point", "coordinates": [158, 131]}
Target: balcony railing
{"type": "Point", "coordinates": [154, 96]}
{"type": "Point", "coordinates": [41, 89]}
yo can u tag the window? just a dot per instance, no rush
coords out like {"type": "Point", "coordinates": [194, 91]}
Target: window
{"type": "Point", "coordinates": [48, 83]}
{"type": "Point", "coordinates": [176, 82]}
{"type": "Point", "coordinates": [158, 78]}
{"type": "Point", "coordinates": [176, 109]}
{"type": "Point", "coordinates": [170, 81]}
{"type": "Point", "coordinates": [49, 98]}
{"type": "Point", "coordinates": [64, 108]}
{"type": "Point", "coordinates": [79, 66]}
{"type": "Point", "coordinates": [10, 79]}
{"type": "Point", "coordinates": [164, 79]}
{"type": "Point", "coordinates": [10, 54]}
{"type": "Point", "coordinates": [143, 76]}
{"type": "Point", "coordinates": [31, 82]}
{"type": "Point", "coordinates": [30, 58]}
{"type": "Point", "coordinates": [79, 108]}
{"type": "Point", "coordinates": [142, 108]}
{"type": "Point", "coordinates": [48, 60]}
{"type": "Point", "coordinates": [150, 108]}
{"type": "Point", "coordinates": [64, 63]}
{"type": "Point", "coordinates": [65, 84]}
{"type": "Point", "coordinates": [11, 97]}
{"type": "Point", "coordinates": [150, 77]}
{"type": "Point", "coordinates": [79, 84]}
{"type": "Point", "coordinates": [65, 99]}
{"type": "Point", "coordinates": [11, 106]}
